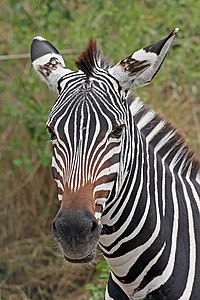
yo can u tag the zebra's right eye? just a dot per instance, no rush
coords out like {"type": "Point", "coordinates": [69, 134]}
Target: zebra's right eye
{"type": "Point", "coordinates": [116, 133]}
{"type": "Point", "coordinates": [54, 172]}
{"type": "Point", "coordinates": [52, 133]}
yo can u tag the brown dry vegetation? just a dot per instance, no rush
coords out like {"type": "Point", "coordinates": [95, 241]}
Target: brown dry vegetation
{"type": "Point", "coordinates": [30, 267]}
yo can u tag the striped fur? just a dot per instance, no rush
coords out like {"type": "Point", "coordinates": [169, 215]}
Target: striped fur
{"type": "Point", "coordinates": [151, 231]}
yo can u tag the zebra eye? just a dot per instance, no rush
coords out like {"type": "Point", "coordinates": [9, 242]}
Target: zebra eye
{"type": "Point", "coordinates": [116, 133]}
{"type": "Point", "coordinates": [52, 133]}
{"type": "Point", "coordinates": [54, 172]}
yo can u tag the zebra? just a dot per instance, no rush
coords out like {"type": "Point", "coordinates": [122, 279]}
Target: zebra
{"type": "Point", "coordinates": [126, 179]}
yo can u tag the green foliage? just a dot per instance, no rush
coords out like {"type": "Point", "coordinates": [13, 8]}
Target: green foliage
{"type": "Point", "coordinates": [97, 289]}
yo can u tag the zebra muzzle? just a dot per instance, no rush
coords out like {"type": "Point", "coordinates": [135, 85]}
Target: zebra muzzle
{"type": "Point", "coordinates": [77, 232]}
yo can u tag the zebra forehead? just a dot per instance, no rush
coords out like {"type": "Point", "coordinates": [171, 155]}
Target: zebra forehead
{"type": "Point", "coordinates": [91, 107]}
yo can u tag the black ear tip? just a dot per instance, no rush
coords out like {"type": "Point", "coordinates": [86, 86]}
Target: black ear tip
{"type": "Point", "coordinates": [173, 33]}
{"type": "Point", "coordinates": [41, 47]}
{"type": "Point", "coordinates": [157, 47]}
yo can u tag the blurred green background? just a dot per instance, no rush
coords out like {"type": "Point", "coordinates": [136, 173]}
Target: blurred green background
{"type": "Point", "coordinates": [30, 267]}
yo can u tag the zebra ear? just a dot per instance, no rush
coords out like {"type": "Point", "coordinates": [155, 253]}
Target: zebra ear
{"type": "Point", "coordinates": [139, 68]}
{"type": "Point", "coordinates": [47, 62]}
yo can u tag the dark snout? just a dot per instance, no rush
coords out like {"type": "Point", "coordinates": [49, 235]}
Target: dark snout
{"type": "Point", "coordinates": [77, 233]}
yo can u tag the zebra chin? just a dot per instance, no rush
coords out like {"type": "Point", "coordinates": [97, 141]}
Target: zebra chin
{"type": "Point", "coordinates": [82, 256]}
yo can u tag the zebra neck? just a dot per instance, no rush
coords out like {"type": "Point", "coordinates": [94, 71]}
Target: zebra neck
{"type": "Point", "coordinates": [147, 227]}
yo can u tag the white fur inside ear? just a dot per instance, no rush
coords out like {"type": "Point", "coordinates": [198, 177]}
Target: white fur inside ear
{"type": "Point", "coordinates": [118, 73]}
{"type": "Point", "coordinates": [50, 73]}
{"type": "Point", "coordinates": [141, 67]}
{"type": "Point", "coordinates": [141, 55]}
{"type": "Point", "coordinates": [41, 61]}
{"type": "Point", "coordinates": [150, 64]}
{"type": "Point", "coordinates": [146, 76]}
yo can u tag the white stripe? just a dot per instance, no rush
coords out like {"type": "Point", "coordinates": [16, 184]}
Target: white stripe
{"type": "Point", "coordinates": [155, 131]}
{"type": "Point", "coordinates": [145, 119]}
{"type": "Point", "coordinates": [103, 187]}
{"type": "Point", "coordinates": [107, 156]}
{"type": "Point", "coordinates": [161, 279]}
{"type": "Point", "coordinates": [111, 169]}
{"type": "Point", "coordinates": [106, 240]}
{"type": "Point", "coordinates": [192, 246]}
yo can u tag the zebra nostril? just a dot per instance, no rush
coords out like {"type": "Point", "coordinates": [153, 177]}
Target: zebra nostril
{"type": "Point", "coordinates": [92, 231]}
{"type": "Point", "coordinates": [94, 227]}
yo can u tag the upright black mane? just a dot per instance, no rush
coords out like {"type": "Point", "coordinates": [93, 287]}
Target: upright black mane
{"type": "Point", "coordinates": [91, 58]}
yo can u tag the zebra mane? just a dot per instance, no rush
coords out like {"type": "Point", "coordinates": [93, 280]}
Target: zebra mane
{"type": "Point", "coordinates": [91, 58]}
{"type": "Point", "coordinates": [174, 140]}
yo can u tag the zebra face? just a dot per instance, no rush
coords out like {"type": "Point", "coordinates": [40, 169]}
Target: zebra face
{"type": "Point", "coordinates": [86, 137]}
{"type": "Point", "coordinates": [89, 127]}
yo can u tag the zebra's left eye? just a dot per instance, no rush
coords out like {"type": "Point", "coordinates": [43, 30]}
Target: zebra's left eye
{"type": "Point", "coordinates": [52, 133]}
{"type": "Point", "coordinates": [117, 132]}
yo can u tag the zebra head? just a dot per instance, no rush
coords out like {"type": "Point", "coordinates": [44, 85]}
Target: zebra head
{"type": "Point", "coordinates": [90, 130]}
